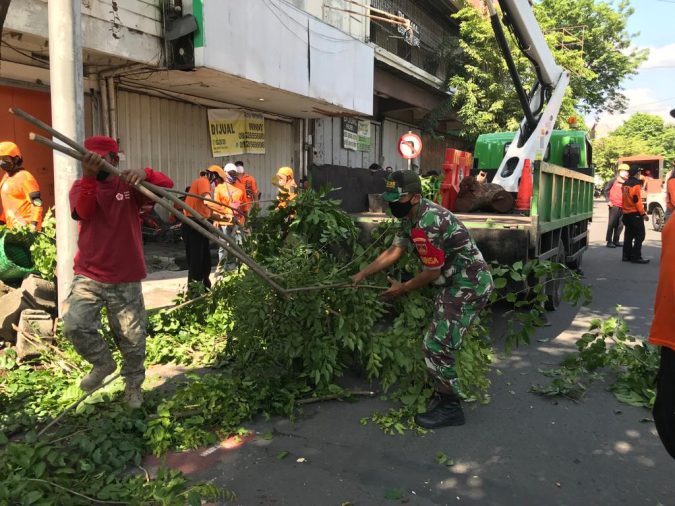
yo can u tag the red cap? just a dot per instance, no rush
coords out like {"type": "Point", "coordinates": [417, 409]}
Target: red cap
{"type": "Point", "coordinates": [102, 145]}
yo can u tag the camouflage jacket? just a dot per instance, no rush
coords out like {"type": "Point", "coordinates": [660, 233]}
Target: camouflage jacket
{"type": "Point", "coordinates": [442, 242]}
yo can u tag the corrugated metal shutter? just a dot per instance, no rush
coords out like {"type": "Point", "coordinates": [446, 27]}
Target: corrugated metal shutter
{"type": "Point", "coordinates": [391, 132]}
{"type": "Point", "coordinates": [172, 136]}
{"type": "Point", "coordinates": [328, 148]}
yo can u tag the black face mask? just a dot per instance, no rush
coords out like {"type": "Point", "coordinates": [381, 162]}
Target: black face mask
{"type": "Point", "coordinates": [7, 165]}
{"type": "Point", "coordinates": [102, 175]}
{"type": "Point", "coordinates": [400, 209]}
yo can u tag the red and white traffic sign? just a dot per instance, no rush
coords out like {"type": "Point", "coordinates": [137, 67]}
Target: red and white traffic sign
{"type": "Point", "coordinates": [410, 146]}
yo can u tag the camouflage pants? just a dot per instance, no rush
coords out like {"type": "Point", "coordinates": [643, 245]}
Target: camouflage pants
{"type": "Point", "coordinates": [455, 309]}
{"type": "Point", "coordinates": [126, 315]}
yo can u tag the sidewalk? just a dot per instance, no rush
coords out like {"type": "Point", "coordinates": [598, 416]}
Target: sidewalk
{"type": "Point", "coordinates": [167, 272]}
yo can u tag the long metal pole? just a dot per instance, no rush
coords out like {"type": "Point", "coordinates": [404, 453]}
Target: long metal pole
{"type": "Point", "coordinates": [67, 98]}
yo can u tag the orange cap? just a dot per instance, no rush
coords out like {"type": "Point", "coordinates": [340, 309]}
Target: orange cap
{"type": "Point", "coordinates": [9, 149]}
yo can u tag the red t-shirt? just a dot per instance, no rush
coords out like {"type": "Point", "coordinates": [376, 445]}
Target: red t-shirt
{"type": "Point", "coordinates": [110, 245]}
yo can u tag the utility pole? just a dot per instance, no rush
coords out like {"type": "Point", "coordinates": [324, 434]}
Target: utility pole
{"type": "Point", "coordinates": [67, 97]}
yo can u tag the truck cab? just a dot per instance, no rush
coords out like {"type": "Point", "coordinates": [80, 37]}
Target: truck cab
{"type": "Point", "coordinates": [654, 186]}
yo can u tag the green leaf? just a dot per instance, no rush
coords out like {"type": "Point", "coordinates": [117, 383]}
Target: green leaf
{"type": "Point", "coordinates": [282, 455]}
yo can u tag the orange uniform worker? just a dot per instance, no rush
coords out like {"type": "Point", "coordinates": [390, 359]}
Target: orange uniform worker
{"type": "Point", "coordinates": [196, 245]}
{"type": "Point", "coordinates": [662, 333]}
{"type": "Point", "coordinates": [670, 194]}
{"type": "Point", "coordinates": [232, 199]}
{"type": "Point", "coordinates": [248, 185]}
{"type": "Point", "coordinates": [634, 217]}
{"type": "Point", "coordinates": [288, 189]}
{"type": "Point", "coordinates": [19, 191]}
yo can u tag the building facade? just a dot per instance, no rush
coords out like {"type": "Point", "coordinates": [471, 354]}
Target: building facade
{"type": "Point", "coordinates": [325, 83]}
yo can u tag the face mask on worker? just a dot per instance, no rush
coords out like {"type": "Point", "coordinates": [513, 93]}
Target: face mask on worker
{"type": "Point", "coordinates": [400, 209]}
{"type": "Point", "coordinates": [102, 175]}
{"type": "Point", "coordinates": [7, 165]}
{"type": "Point", "coordinates": [231, 177]}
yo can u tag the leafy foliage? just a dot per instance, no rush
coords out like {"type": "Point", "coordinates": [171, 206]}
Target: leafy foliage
{"type": "Point", "coordinates": [42, 245]}
{"type": "Point", "coordinates": [484, 96]}
{"type": "Point", "coordinates": [608, 347]}
{"type": "Point", "coordinates": [259, 352]}
{"type": "Point", "coordinates": [641, 134]}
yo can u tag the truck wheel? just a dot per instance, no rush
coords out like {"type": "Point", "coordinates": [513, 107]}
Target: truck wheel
{"type": "Point", "coordinates": [554, 289]}
{"type": "Point", "coordinates": [658, 218]}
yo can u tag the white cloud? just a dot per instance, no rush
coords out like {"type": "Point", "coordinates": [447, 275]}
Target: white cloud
{"type": "Point", "coordinates": [639, 100]}
{"type": "Point", "coordinates": [660, 57]}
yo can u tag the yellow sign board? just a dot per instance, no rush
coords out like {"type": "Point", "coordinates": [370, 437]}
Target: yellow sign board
{"type": "Point", "coordinates": [235, 132]}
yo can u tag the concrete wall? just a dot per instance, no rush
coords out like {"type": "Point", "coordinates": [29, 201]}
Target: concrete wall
{"type": "Point", "coordinates": [133, 32]}
{"type": "Point", "coordinates": [272, 42]}
{"type": "Point", "coordinates": [356, 25]}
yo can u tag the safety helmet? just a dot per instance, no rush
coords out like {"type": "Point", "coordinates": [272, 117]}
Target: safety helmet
{"type": "Point", "coordinates": [9, 149]}
{"type": "Point", "coordinates": [285, 171]}
{"type": "Point", "coordinates": [217, 169]}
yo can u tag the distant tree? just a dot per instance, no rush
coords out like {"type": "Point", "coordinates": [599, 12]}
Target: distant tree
{"type": "Point", "coordinates": [641, 134]}
{"type": "Point", "coordinates": [484, 98]}
{"type": "Point", "coordinates": [607, 150]}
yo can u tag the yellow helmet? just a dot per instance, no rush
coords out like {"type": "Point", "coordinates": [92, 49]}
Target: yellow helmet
{"type": "Point", "coordinates": [9, 149]}
{"type": "Point", "coordinates": [285, 171]}
{"type": "Point", "coordinates": [623, 166]}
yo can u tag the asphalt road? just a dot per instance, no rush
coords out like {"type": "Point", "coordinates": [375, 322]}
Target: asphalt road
{"type": "Point", "coordinates": [521, 449]}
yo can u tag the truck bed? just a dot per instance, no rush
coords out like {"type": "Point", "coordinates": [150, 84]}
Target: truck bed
{"type": "Point", "coordinates": [471, 220]}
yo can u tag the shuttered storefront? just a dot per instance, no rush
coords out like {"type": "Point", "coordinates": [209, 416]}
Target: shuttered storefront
{"type": "Point", "coordinates": [172, 136]}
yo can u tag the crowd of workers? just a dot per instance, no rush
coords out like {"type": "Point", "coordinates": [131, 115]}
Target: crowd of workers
{"type": "Point", "coordinates": [109, 264]}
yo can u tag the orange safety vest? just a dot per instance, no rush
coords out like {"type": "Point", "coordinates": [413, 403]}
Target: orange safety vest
{"type": "Point", "coordinates": [662, 332]}
{"type": "Point", "coordinates": [231, 196]}
{"type": "Point", "coordinates": [15, 196]}
{"type": "Point", "coordinates": [632, 197]}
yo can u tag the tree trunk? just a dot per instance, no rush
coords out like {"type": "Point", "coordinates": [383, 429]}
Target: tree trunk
{"type": "Point", "coordinates": [475, 196]}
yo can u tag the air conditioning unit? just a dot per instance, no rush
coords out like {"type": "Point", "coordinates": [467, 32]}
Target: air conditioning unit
{"type": "Point", "coordinates": [179, 46]}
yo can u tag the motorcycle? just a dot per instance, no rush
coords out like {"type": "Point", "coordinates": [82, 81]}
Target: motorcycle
{"type": "Point", "coordinates": [155, 228]}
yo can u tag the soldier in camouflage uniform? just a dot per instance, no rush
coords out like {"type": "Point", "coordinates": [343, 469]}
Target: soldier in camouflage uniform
{"type": "Point", "coordinates": [452, 262]}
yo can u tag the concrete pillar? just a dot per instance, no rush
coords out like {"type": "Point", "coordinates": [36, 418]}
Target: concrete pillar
{"type": "Point", "coordinates": [67, 97]}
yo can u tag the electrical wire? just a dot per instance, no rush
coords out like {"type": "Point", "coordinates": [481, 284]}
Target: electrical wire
{"type": "Point", "coordinates": [317, 33]}
{"type": "Point", "coordinates": [296, 35]}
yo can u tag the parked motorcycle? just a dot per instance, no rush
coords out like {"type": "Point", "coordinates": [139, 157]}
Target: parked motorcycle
{"type": "Point", "coordinates": [157, 229]}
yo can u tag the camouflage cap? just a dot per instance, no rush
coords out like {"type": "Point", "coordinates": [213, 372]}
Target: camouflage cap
{"type": "Point", "coordinates": [401, 182]}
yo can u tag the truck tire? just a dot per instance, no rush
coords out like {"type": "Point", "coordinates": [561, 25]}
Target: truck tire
{"type": "Point", "coordinates": [658, 218]}
{"type": "Point", "coordinates": [554, 289]}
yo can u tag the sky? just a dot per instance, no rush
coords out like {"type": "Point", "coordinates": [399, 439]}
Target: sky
{"type": "Point", "coordinates": [652, 90]}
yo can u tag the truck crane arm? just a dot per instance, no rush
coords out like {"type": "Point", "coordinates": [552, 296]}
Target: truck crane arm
{"type": "Point", "coordinates": [542, 104]}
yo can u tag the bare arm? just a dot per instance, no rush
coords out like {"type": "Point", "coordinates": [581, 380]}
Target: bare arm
{"type": "Point", "coordinates": [386, 259]}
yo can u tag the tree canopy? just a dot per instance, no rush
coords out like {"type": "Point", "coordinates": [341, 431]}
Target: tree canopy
{"type": "Point", "coordinates": [640, 134]}
{"type": "Point", "coordinates": [588, 37]}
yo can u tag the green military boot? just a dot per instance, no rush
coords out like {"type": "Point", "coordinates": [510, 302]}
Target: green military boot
{"type": "Point", "coordinates": [133, 395]}
{"type": "Point", "coordinates": [95, 378]}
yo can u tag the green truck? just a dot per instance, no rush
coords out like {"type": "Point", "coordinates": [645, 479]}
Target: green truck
{"type": "Point", "coordinates": [556, 228]}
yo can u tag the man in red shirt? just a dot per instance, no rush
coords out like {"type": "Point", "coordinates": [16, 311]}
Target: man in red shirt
{"type": "Point", "coordinates": [19, 191]}
{"type": "Point", "coordinates": [109, 266]}
{"type": "Point", "coordinates": [613, 194]}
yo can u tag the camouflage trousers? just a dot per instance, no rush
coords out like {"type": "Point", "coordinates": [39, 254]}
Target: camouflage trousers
{"type": "Point", "coordinates": [455, 310]}
{"type": "Point", "coordinates": [127, 318]}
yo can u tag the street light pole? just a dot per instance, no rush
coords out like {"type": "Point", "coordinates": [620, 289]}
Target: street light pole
{"type": "Point", "coordinates": [67, 99]}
